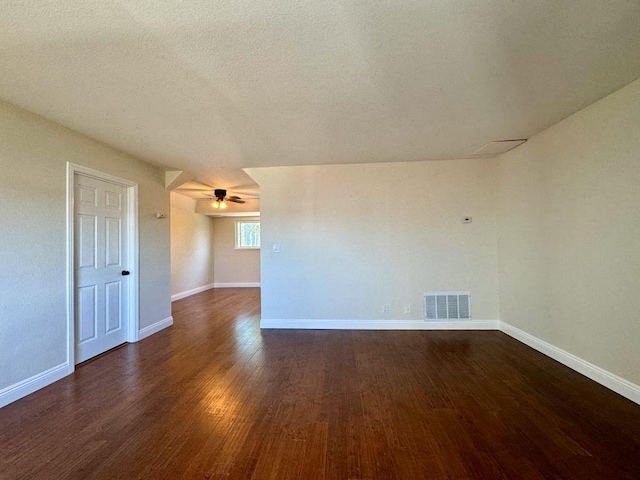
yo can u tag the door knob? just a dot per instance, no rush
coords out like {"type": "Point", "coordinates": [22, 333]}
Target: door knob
{"type": "Point", "coordinates": [125, 272]}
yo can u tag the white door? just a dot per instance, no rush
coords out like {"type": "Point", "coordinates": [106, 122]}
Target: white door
{"type": "Point", "coordinates": [101, 275]}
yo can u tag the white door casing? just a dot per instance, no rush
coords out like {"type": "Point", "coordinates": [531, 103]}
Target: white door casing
{"type": "Point", "coordinates": [102, 237]}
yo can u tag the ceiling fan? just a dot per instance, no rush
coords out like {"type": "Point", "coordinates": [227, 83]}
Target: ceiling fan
{"type": "Point", "coordinates": [221, 199]}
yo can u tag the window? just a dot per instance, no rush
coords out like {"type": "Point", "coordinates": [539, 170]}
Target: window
{"type": "Point", "coordinates": [248, 234]}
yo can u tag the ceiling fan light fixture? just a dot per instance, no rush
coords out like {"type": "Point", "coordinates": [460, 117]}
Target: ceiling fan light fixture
{"type": "Point", "coordinates": [221, 199]}
{"type": "Point", "coordinates": [219, 202]}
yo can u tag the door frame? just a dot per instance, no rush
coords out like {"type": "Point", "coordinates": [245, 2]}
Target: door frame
{"type": "Point", "coordinates": [132, 260]}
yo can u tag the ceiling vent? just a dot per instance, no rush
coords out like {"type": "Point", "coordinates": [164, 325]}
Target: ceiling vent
{"type": "Point", "coordinates": [447, 306]}
{"type": "Point", "coordinates": [498, 147]}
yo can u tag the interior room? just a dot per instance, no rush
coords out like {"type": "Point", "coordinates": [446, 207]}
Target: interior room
{"type": "Point", "coordinates": [299, 240]}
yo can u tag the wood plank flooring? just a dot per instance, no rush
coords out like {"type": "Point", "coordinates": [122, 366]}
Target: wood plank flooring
{"type": "Point", "coordinates": [216, 398]}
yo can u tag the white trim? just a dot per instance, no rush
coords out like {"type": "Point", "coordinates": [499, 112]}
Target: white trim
{"type": "Point", "coordinates": [193, 291]}
{"type": "Point", "coordinates": [204, 288]}
{"type": "Point", "coordinates": [133, 321]}
{"type": "Point", "coordinates": [380, 324]}
{"type": "Point", "coordinates": [134, 263]}
{"type": "Point", "coordinates": [609, 380]}
{"type": "Point", "coordinates": [232, 214]}
{"type": "Point", "coordinates": [36, 382]}
{"type": "Point", "coordinates": [603, 377]}
{"type": "Point", "coordinates": [155, 328]}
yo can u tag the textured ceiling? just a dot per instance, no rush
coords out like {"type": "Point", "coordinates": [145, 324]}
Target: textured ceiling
{"type": "Point", "coordinates": [214, 86]}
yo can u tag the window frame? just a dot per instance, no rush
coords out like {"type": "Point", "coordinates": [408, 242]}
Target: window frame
{"type": "Point", "coordinates": [238, 236]}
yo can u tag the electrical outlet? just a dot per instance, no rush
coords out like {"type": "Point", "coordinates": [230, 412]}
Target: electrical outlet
{"type": "Point", "coordinates": [385, 308]}
{"type": "Point", "coordinates": [407, 308]}
{"type": "Point", "coordinates": [275, 248]}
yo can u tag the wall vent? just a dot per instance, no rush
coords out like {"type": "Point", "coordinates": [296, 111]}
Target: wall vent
{"type": "Point", "coordinates": [447, 306]}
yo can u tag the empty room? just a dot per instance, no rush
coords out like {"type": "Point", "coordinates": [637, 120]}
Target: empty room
{"type": "Point", "coordinates": [346, 240]}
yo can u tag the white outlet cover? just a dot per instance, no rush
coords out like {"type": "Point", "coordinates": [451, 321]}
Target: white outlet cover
{"type": "Point", "coordinates": [275, 248]}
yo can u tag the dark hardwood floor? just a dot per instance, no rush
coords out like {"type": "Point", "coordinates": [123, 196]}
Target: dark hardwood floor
{"type": "Point", "coordinates": [216, 398]}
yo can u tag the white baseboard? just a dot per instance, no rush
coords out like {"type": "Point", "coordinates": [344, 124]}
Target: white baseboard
{"type": "Point", "coordinates": [603, 377]}
{"type": "Point", "coordinates": [25, 387]}
{"type": "Point", "coordinates": [155, 328]}
{"type": "Point", "coordinates": [613, 382]}
{"type": "Point", "coordinates": [193, 291]}
{"type": "Point", "coordinates": [204, 288]}
{"type": "Point", "coordinates": [380, 324]}
{"type": "Point", "coordinates": [618, 384]}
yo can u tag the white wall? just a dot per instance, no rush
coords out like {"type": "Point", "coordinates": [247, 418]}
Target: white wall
{"type": "Point", "coordinates": [354, 237]}
{"type": "Point", "coordinates": [233, 266]}
{"type": "Point", "coordinates": [191, 246]}
{"type": "Point", "coordinates": [569, 234]}
{"type": "Point", "coordinates": [33, 156]}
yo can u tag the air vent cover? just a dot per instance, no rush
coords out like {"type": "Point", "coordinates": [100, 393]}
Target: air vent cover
{"type": "Point", "coordinates": [447, 306]}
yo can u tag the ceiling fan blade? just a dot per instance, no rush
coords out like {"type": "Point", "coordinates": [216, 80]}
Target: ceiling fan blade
{"type": "Point", "coordinates": [249, 197]}
{"type": "Point", "coordinates": [235, 200]}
